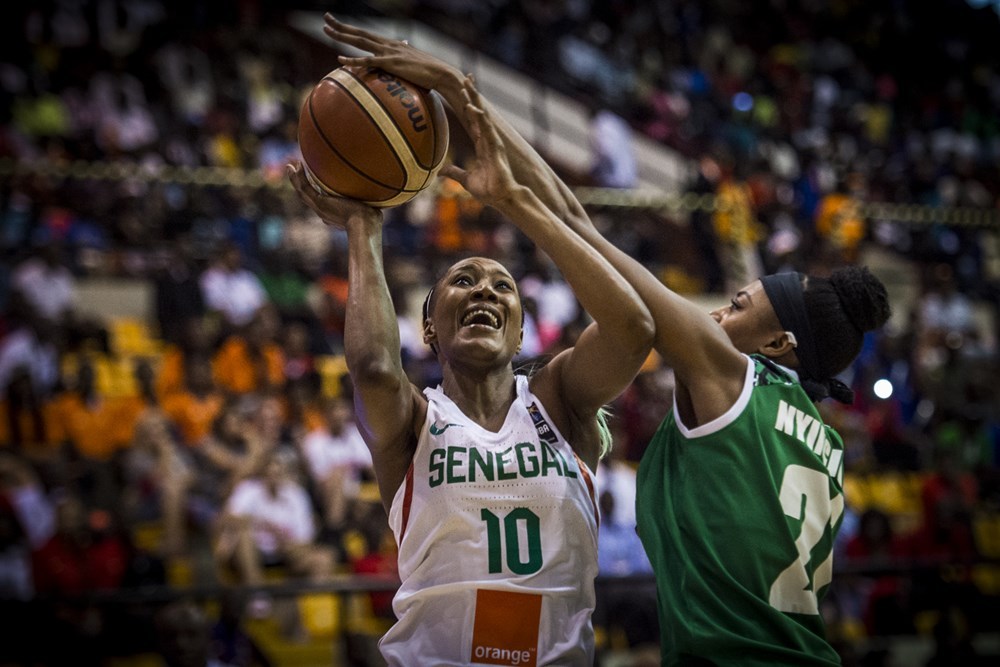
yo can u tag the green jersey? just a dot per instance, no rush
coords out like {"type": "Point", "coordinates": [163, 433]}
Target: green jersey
{"type": "Point", "coordinates": [738, 517]}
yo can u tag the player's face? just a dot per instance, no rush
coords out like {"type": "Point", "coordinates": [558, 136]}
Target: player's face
{"type": "Point", "coordinates": [749, 320]}
{"type": "Point", "coordinates": [477, 308]}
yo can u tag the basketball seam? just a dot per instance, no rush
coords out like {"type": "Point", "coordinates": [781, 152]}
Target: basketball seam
{"type": "Point", "coordinates": [329, 144]}
{"type": "Point", "coordinates": [430, 123]}
{"type": "Point", "coordinates": [410, 174]}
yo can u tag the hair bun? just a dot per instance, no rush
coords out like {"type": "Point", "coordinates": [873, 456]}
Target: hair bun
{"type": "Point", "coordinates": [862, 296]}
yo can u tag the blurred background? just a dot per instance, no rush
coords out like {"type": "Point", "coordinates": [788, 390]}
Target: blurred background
{"type": "Point", "coordinates": [171, 317]}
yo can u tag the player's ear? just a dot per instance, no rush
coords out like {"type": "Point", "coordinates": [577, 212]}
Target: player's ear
{"type": "Point", "coordinates": [430, 335]}
{"type": "Point", "coordinates": [780, 344]}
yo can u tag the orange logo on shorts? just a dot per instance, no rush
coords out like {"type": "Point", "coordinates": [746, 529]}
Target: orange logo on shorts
{"type": "Point", "coordinates": [506, 628]}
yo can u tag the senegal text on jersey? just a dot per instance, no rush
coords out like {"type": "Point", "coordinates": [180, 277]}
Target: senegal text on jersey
{"type": "Point", "coordinates": [455, 465]}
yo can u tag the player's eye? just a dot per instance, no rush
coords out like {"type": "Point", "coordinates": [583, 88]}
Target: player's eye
{"type": "Point", "coordinates": [504, 285]}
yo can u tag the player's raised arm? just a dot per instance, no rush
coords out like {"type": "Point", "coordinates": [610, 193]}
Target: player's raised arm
{"type": "Point", "coordinates": [608, 355]}
{"type": "Point", "coordinates": [387, 404]}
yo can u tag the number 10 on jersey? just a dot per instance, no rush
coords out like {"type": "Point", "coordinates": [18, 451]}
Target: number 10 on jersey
{"type": "Point", "coordinates": [519, 544]}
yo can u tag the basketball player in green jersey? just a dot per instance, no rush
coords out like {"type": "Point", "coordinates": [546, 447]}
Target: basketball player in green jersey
{"type": "Point", "coordinates": [740, 490]}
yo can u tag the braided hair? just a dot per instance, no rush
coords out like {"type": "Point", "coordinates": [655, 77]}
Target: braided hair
{"type": "Point", "coordinates": [841, 308]}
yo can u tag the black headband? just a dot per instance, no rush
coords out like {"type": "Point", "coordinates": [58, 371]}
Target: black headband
{"type": "Point", "coordinates": [785, 292]}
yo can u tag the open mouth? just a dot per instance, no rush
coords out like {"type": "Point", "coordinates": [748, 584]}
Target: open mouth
{"type": "Point", "coordinates": [481, 317]}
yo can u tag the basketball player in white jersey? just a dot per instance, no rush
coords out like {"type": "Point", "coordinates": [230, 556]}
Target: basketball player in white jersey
{"type": "Point", "coordinates": [488, 477]}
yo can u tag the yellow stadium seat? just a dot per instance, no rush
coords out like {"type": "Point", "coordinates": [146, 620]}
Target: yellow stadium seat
{"type": "Point", "coordinates": [320, 614]}
{"type": "Point", "coordinates": [331, 369]}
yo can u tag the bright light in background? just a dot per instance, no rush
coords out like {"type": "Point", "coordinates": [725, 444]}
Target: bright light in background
{"type": "Point", "coordinates": [743, 101]}
{"type": "Point", "coordinates": [979, 4]}
{"type": "Point", "coordinates": [882, 388]}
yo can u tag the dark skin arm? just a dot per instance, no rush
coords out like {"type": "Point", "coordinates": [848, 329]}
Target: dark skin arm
{"type": "Point", "coordinates": [389, 408]}
{"type": "Point", "coordinates": [574, 385]}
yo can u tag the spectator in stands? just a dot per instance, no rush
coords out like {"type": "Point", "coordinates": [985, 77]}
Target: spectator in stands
{"type": "Point", "coordinates": [619, 550]}
{"type": "Point", "coordinates": [557, 305]}
{"type": "Point", "coordinates": [160, 475]}
{"type": "Point", "coordinates": [46, 285]}
{"type": "Point", "coordinates": [251, 361]}
{"type": "Point", "coordinates": [380, 557]}
{"type": "Point", "coordinates": [625, 607]}
{"type": "Point", "coordinates": [702, 225]}
{"type": "Point", "coordinates": [233, 451]}
{"type": "Point", "coordinates": [736, 228]}
{"type": "Point", "coordinates": [15, 554]}
{"type": "Point", "coordinates": [640, 410]}
{"type": "Point", "coordinates": [328, 300]}
{"type": "Point", "coordinates": [22, 488]}
{"type": "Point", "coordinates": [178, 294]}
{"type": "Point", "coordinates": [886, 607]}
{"type": "Point", "coordinates": [231, 643]}
{"type": "Point", "coordinates": [194, 408]}
{"type": "Point", "coordinates": [82, 555]}
{"type": "Point", "coordinates": [616, 476]}
{"type": "Point", "coordinates": [613, 162]}
{"type": "Point", "coordinates": [195, 341]}
{"type": "Point", "coordinates": [945, 313]}
{"type": "Point", "coordinates": [183, 636]}
{"type": "Point", "coordinates": [840, 224]}
{"type": "Point", "coordinates": [268, 521]}
{"type": "Point", "coordinates": [97, 428]}
{"type": "Point", "coordinates": [285, 284]}
{"type": "Point", "coordinates": [299, 362]}
{"type": "Point", "coordinates": [26, 421]}
{"type": "Point", "coordinates": [337, 460]}
{"type": "Point", "coordinates": [230, 289]}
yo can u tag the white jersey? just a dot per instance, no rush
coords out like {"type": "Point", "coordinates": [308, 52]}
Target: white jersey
{"type": "Point", "coordinates": [497, 537]}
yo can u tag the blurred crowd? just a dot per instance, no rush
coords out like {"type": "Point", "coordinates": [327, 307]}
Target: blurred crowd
{"type": "Point", "coordinates": [214, 440]}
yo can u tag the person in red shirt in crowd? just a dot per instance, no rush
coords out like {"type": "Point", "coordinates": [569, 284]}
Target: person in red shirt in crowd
{"type": "Point", "coordinates": [83, 555]}
{"type": "Point", "coordinates": [884, 604]}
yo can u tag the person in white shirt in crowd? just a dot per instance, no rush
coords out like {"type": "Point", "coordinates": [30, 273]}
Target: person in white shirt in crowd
{"type": "Point", "coordinates": [46, 285]}
{"type": "Point", "coordinates": [617, 476]}
{"type": "Point", "coordinates": [231, 289]}
{"type": "Point", "coordinates": [268, 521]}
{"type": "Point", "coordinates": [555, 303]}
{"type": "Point", "coordinates": [613, 158]}
{"type": "Point", "coordinates": [338, 460]}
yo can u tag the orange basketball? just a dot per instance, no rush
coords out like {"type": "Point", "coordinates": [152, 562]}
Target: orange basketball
{"type": "Point", "coordinates": [366, 134]}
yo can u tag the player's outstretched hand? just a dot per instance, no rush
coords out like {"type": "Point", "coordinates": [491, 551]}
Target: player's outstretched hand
{"type": "Point", "coordinates": [489, 179]}
{"type": "Point", "coordinates": [334, 211]}
{"type": "Point", "coordinates": [392, 55]}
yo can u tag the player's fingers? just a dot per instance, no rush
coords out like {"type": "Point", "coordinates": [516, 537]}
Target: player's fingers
{"type": "Point", "coordinates": [293, 170]}
{"type": "Point", "coordinates": [455, 173]}
{"type": "Point", "coordinates": [486, 130]}
{"type": "Point", "coordinates": [358, 42]}
{"type": "Point", "coordinates": [471, 92]}
{"type": "Point", "coordinates": [353, 31]}
{"type": "Point", "coordinates": [474, 116]}
{"type": "Point", "coordinates": [357, 61]}
{"type": "Point", "coordinates": [302, 185]}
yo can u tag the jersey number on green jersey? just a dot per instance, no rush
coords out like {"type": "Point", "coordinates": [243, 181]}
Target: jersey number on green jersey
{"type": "Point", "coordinates": [510, 542]}
{"type": "Point", "coordinates": [805, 496]}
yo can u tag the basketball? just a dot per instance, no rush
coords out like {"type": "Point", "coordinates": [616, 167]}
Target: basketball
{"type": "Point", "coordinates": [368, 135]}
